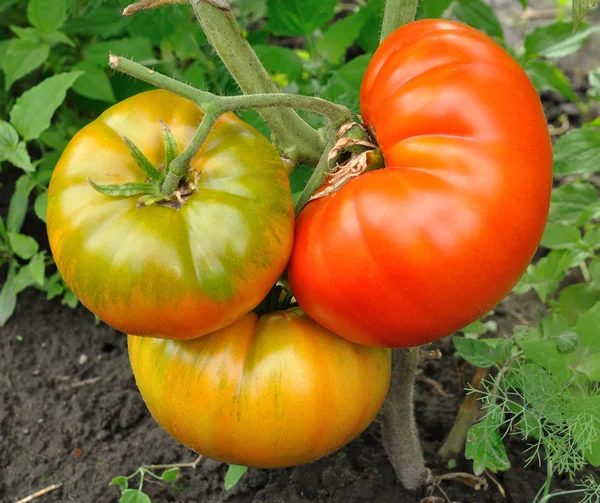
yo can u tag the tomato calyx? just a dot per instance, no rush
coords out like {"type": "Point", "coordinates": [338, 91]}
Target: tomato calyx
{"type": "Point", "coordinates": [151, 190]}
{"type": "Point", "coordinates": [353, 154]}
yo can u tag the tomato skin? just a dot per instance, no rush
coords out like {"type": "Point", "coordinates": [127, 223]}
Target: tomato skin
{"type": "Point", "coordinates": [413, 252]}
{"type": "Point", "coordinates": [156, 270]}
{"type": "Point", "coordinates": [267, 392]}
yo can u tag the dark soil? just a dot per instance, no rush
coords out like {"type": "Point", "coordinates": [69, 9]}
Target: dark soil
{"type": "Point", "coordinates": [70, 414]}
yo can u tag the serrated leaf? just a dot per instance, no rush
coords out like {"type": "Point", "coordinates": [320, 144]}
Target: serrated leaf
{"type": "Point", "coordinates": [37, 268]}
{"type": "Point", "coordinates": [170, 475]}
{"type": "Point", "coordinates": [574, 203]}
{"type": "Point", "coordinates": [120, 481]}
{"type": "Point", "coordinates": [134, 496]}
{"type": "Point", "coordinates": [577, 151]}
{"type": "Point", "coordinates": [9, 138]}
{"type": "Point", "coordinates": [560, 236]}
{"type": "Point", "coordinates": [479, 15]}
{"type": "Point", "coordinates": [58, 37]}
{"type": "Point", "coordinates": [545, 76]}
{"type": "Point", "coordinates": [580, 9]}
{"type": "Point", "coordinates": [336, 40]}
{"type": "Point", "coordinates": [545, 276]}
{"type": "Point", "coordinates": [94, 83]}
{"type": "Point", "coordinates": [21, 58]}
{"type": "Point", "coordinates": [299, 18]}
{"type": "Point", "coordinates": [47, 16]}
{"type": "Point", "coordinates": [28, 33]}
{"type": "Point", "coordinates": [545, 354]}
{"type": "Point", "coordinates": [23, 280]}
{"type": "Point", "coordinates": [106, 21]}
{"type": "Point", "coordinates": [233, 475]}
{"type": "Point", "coordinates": [34, 109]}
{"type": "Point", "coordinates": [124, 190]}
{"type": "Point", "coordinates": [556, 40]}
{"type": "Point", "coordinates": [41, 202]}
{"type": "Point", "coordinates": [590, 366]}
{"type": "Point", "coordinates": [485, 448]}
{"type": "Point", "coordinates": [19, 157]}
{"type": "Point", "coordinates": [475, 352]}
{"type": "Point", "coordinates": [19, 202]}
{"type": "Point", "coordinates": [8, 297]}
{"type": "Point", "coordinates": [278, 59]}
{"type": "Point", "coordinates": [22, 245]}
{"type": "Point", "coordinates": [577, 299]}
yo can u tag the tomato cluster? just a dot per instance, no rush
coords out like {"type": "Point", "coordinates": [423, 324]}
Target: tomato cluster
{"type": "Point", "coordinates": [396, 257]}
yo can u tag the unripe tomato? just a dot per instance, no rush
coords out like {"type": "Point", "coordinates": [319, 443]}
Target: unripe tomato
{"type": "Point", "coordinates": [270, 391]}
{"type": "Point", "coordinates": [156, 270]}
{"type": "Point", "coordinates": [413, 252]}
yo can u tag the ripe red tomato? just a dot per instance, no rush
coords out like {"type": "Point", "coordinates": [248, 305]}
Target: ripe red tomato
{"type": "Point", "coordinates": [268, 392]}
{"type": "Point", "coordinates": [413, 252]}
{"type": "Point", "coordinates": [157, 270]}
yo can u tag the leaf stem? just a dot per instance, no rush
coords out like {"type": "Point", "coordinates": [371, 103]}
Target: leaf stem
{"type": "Point", "coordinates": [397, 13]}
{"type": "Point", "coordinates": [297, 139]}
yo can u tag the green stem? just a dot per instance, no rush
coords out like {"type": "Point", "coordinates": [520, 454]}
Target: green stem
{"type": "Point", "coordinates": [180, 164]}
{"type": "Point", "coordinates": [564, 493]}
{"type": "Point", "coordinates": [317, 178]}
{"type": "Point", "coordinates": [397, 13]}
{"type": "Point", "coordinates": [297, 140]}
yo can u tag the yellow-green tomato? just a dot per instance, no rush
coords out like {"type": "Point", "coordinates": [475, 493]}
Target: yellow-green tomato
{"type": "Point", "coordinates": [156, 270]}
{"type": "Point", "coordinates": [270, 391]}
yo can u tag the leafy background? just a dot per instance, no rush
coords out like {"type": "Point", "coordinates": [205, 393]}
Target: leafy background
{"type": "Point", "coordinates": [54, 79]}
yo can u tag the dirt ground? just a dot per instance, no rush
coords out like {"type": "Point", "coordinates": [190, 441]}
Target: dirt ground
{"type": "Point", "coordinates": [70, 414]}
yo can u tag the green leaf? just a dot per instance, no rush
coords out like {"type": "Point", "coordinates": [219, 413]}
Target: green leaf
{"type": "Point", "coordinates": [479, 327]}
{"type": "Point", "coordinates": [594, 81]}
{"type": "Point", "coordinates": [104, 21]}
{"type": "Point", "coordinates": [37, 268]}
{"type": "Point", "coordinates": [577, 151]}
{"type": "Point", "coordinates": [369, 35]}
{"type": "Point", "coordinates": [587, 329]}
{"type": "Point", "coordinates": [134, 496]}
{"type": "Point", "coordinates": [138, 49]}
{"type": "Point", "coordinates": [574, 203]}
{"type": "Point", "coordinates": [142, 161]}
{"type": "Point", "coordinates": [556, 40]}
{"type": "Point", "coordinates": [23, 246]}
{"type": "Point", "coordinates": [595, 270]}
{"type": "Point", "coordinates": [545, 354]}
{"type": "Point", "coordinates": [545, 276]}
{"type": "Point", "coordinates": [20, 158]}
{"type": "Point", "coordinates": [124, 190]}
{"type": "Point", "coordinates": [479, 15]}
{"type": "Point", "coordinates": [9, 138]}
{"type": "Point", "coordinates": [23, 280]}
{"type": "Point", "coordinates": [474, 351]}
{"type": "Point", "coordinates": [54, 287]}
{"type": "Point", "coordinates": [19, 202]}
{"type": "Point", "coordinates": [580, 9]}
{"type": "Point", "coordinates": [590, 366]}
{"type": "Point", "coordinates": [339, 37]}
{"type": "Point", "coordinates": [6, 4]}
{"type": "Point", "coordinates": [160, 24]}
{"type": "Point", "coordinates": [47, 16]}
{"type": "Point", "coordinates": [94, 83]}
{"type": "Point", "coordinates": [28, 34]}
{"type": "Point", "coordinates": [545, 76]}
{"type": "Point", "coordinates": [69, 299]}
{"type": "Point", "coordinates": [484, 446]}
{"type": "Point", "coordinates": [577, 299]}
{"type": "Point", "coordinates": [3, 48]}
{"type": "Point", "coordinates": [278, 59]}
{"type": "Point", "coordinates": [345, 87]}
{"type": "Point", "coordinates": [299, 18]}
{"type": "Point", "coordinates": [299, 179]}
{"type": "Point", "coordinates": [233, 475]}
{"type": "Point", "coordinates": [170, 475]}
{"type": "Point", "coordinates": [41, 202]}
{"type": "Point", "coordinates": [560, 236]}
{"type": "Point", "coordinates": [433, 9]}
{"type": "Point", "coordinates": [567, 341]}
{"type": "Point", "coordinates": [21, 58]}
{"type": "Point", "coordinates": [58, 37]}
{"type": "Point", "coordinates": [120, 481]}
{"type": "Point", "coordinates": [8, 297]}
{"type": "Point", "coordinates": [33, 111]}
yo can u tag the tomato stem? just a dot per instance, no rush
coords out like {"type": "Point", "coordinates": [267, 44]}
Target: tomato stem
{"type": "Point", "coordinates": [399, 430]}
{"type": "Point", "coordinates": [294, 135]}
{"type": "Point", "coordinates": [397, 13]}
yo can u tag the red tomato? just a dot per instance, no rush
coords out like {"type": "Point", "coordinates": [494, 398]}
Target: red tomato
{"type": "Point", "coordinates": [413, 252]}
{"type": "Point", "coordinates": [273, 391]}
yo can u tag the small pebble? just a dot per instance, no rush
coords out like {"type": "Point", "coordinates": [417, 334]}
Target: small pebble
{"type": "Point", "coordinates": [82, 359]}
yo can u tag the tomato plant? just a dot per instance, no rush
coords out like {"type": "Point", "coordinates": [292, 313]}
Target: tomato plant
{"type": "Point", "coordinates": [270, 391]}
{"type": "Point", "coordinates": [154, 270]}
{"type": "Point", "coordinates": [407, 254]}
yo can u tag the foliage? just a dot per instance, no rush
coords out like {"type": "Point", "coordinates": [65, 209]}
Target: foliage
{"type": "Point", "coordinates": [54, 79]}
